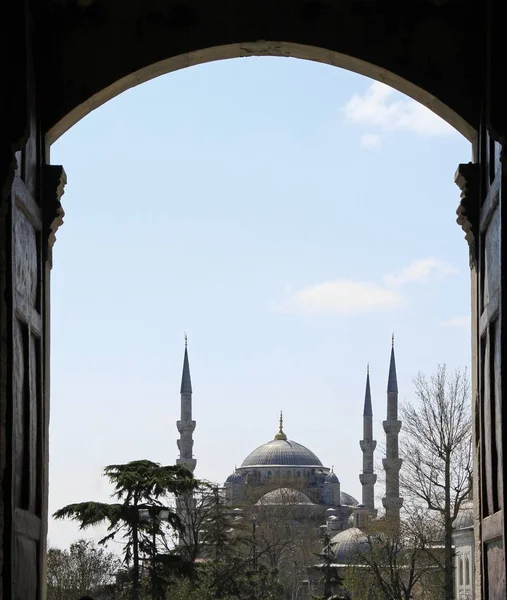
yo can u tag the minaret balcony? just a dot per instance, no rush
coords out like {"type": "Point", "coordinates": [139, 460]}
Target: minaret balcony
{"type": "Point", "coordinates": [368, 445]}
{"type": "Point", "coordinates": [188, 463]}
{"type": "Point", "coordinates": [185, 426]}
{"type": "Point", "coordinates": [390, 503]}
{"type": "Point", "coordinates": [367, 478]}
{"type": "Point", "coordinates": [392, 426]}
{"type": "Point", "coordinates": [392, 464]}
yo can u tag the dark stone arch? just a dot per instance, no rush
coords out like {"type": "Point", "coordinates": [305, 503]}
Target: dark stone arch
{"type": "Point", "coordinates": [420, 48]}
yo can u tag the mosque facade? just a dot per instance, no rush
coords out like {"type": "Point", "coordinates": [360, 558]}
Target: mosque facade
{"type": "Point", "coordinates": [283, 471]}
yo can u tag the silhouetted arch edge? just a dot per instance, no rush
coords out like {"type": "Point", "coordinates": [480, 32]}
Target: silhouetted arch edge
{"type": "Point", "coordinates": [261, 48]}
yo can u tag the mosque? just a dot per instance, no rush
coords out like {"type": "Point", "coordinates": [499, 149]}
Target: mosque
{"type": "Point", "coordinates": [284, 471]}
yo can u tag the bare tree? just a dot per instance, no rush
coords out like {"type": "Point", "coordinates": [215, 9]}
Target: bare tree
{"type": "Point", "coordinates": [207, 523]}
{"type": "Point", "coordinates": [84, 569]}
{"type": "Point", "coordinates": [287, 538]}
{"type": "Point", "coordinates": [395, 562]}
{"type": "Point", "coordinates": [437, 451]}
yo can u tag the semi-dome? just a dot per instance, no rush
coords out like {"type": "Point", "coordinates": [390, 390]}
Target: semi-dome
{"type": "Point", "coordinates": [465, 516]}
{"type": "Point", "coordinates": [347, 499]}
{"type": "Point", "coordinates": [347, 544]}
{"type": "Point", "coordinates": [234, 478]}
{"type": "Point", "coordinates": [281, 452]}
{"type": "Point", "coordinates": [285, 496]}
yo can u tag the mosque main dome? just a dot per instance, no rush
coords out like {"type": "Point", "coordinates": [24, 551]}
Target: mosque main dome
{"type": "Point", "coordinates": [281, 453]}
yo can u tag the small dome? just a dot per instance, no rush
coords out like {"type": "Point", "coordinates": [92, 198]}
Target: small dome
{"type": "Point", "coordinates": [465, 518]}
{"type": "Point", "coordinates": [347, 499]}
{"type": "Point", "coordinates": [285, 496]}
{"type": "Point", "coordinates": [331, 478]}
{"type": "Point", "coordinates": [347, 543]}
{"type": "Point", "coordinates": [234, 478]}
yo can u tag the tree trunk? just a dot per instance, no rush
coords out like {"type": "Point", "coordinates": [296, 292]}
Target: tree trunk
{"type": "Point", "coordinates": [135, 556]}
{"type": "Point", "coordinates": [448, 558]}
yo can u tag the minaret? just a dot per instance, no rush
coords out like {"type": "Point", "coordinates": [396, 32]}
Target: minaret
{"type": "Point", "coordinates": [185, 425]}
{"type": "Point", "coordinates": [368, 445]}
{"type": "Point", "coordinates": [392, 462]}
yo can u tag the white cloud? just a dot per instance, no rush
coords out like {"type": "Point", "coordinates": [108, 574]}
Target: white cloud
{"type": "Point", "coordinates": [420, 270]}
{"type": "Point", "coordinates": [345, 297]}
{"type": "Point", "coordinates": [458, 322]}
{"type": "Point", "coordinates": [371, 140]}
{"type": "Point", "coordinates": [377, 108]}
{"type": "Point", "coordinates": [342, 297]}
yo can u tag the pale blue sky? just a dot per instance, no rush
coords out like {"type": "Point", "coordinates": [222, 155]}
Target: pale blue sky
{"type": "Point", "coordinates": [289, 216]}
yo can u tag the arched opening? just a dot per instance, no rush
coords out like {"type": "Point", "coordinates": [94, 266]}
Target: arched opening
{"type": "Point", "coordinates": [89, 46]}
{"type": "Point", "coordinates": [434, 105]}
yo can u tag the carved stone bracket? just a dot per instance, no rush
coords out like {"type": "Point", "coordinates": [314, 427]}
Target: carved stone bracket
{"type": "Point", "coordinates": [54, 180]}
{"type": "Point", "coordinates": [467, 179]}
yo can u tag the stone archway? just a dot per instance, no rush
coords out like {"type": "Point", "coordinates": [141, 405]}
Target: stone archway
{"type": "Point", "coordinates": [69, 56]}
{"type": "Point", "coordinates": [261, 48]}
{"type": "Point", "coordinates": [101, 47]}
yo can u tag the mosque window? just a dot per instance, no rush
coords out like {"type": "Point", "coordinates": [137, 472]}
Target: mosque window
{"type": "Point", "coordinates": [298, 474]}
{"type": "Point", "coordinates": [269, 473]}
{"type": "Point", "coordinates": [467, 571]}
{"type": "Point", "coordinates": [460, 571]}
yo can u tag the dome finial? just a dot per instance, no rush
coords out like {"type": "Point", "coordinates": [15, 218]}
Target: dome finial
{"type": "Point", "coordinates": [392, 340]}
{"type": "Point", "coordinates": [281, 435]}
{"type": "Point", "coordinates": [186, 340]}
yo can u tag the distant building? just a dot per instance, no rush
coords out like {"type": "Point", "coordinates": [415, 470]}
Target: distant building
{"type": "Point", "coordinates": [464, 560]}
{"type": "Point", "coordinates": [283, 472]}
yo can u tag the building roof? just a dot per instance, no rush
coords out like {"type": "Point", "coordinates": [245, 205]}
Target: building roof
{"type": "Point", "coordinates": [285, 496]}
{"type": "Point", "coordinates": [347, 499]}
{"type": "Point", "coordinates": [331, 478]}
{"type": "Point", "coordinates": [281, 453]}
{"type": "Point", "coordinates": [347, 543]}
{"type": "Point", "coordinates": [465, 518]}
{"type": "Point", "coordinates": [234, 478]}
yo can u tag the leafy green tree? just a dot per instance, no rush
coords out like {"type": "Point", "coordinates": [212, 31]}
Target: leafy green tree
{"type": "Point", "coordinates": [138, 485]}
{"type": "Point", "coordinates": [331, 579]}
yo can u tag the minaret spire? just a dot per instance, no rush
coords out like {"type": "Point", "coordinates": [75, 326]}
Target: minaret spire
{"type": "Point", "coordinates": [185, 425]}
{"type": "Point", "coordinates": [368, 445]}
{"type": "Point", "coordinates": [392, 462]}
{"type": "Point", "coordinates": [186, 383]}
